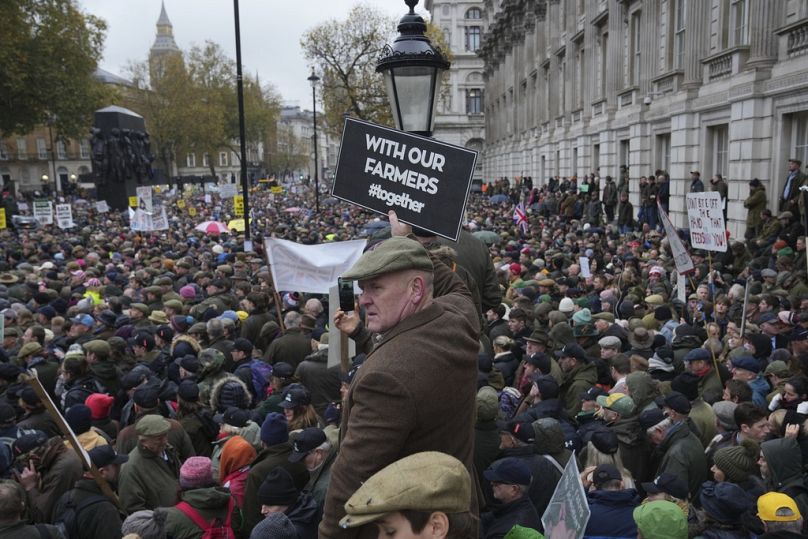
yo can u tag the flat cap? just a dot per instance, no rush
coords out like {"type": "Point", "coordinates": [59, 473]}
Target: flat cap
{"type": "Point", "coordinates": [428, 481]}
{"type": "Point", "coordinates": [610, 341]}
{"type": "Point", "coordinates": [98, 347]}
{"type": "Point", "coordinates": [142, 307]}
{"type": "Point", "coordinates": [391, 255]}
{"type": "Point", "coordinates": [609, 317]}
{"type": "Point", "coordinates": [152, 425]}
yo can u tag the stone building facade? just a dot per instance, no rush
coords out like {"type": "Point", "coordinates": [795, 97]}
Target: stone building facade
{"type": "Point", "coordinates": [459, 118]}
{"type": "Point", "coordinates": [719, 86]}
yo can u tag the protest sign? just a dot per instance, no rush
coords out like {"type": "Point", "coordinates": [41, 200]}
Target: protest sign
{"type": "Point", "coordinates": [43, 212]}
{"type": "Point", "coordinates": [144, 199]}
{"type": "Point", "coordinates": [64, 216]}
{"type": "Point", "coordinates": [681, 258]}
{"type": "Point", "coordinates": [310, 268]}
{"type": "Point", "coordinates": [181, 204]}
{"type": "Point", "coordinates": [22, 206]}
{"type": "Point", "coordinates": [276, 190]}
{"type": "Point", "coordinates": [586, 273]}
{"type": "Point", "coordinates": [101, 206]}
{"type": "Point", "coordinates": [681, 287]}
{"type": "Point", "coordinates": [705, 215]}
{"type": "Point", "coordinates": [228, 190]}
{"type": "Point", "coordinates": [425, 181]}
{"type": "Point", "coordinates": [568, 512]}
{"type": "Point", "coordinates": [238, 205]}
{"type": "Point", "coordinates": [133, 202]}
{"type": "Point", "coordinates": [192, 211]}
{"type": "Point", "coordinates": [208, 199]}
{"type": "Point", "coordinates": [3, 223]}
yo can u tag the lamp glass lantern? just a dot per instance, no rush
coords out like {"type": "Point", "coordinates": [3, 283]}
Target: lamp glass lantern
{"type": "Point", "coordinates": [412, 69]}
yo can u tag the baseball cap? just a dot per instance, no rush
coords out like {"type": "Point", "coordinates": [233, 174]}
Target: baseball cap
{"type": "Point", "coordinates": [677, 402]}
{"type": "Point", "coordinates": [777, 507]}
{"type": "Point", "coordinates": [572, 350]}
{"type": "Point", "coordinates": [768, 317]}
{"type": "Point", "coordinates": [604, 473]}
{"type": "Point", "coordinates": [104, 455]}
{"type": "Point", "coordinates": [510, 470]}
{"type": "Point", "coordinates": [669, 484]}
{"type": "Point", "coordinates": [618, 402]}
{"type": "Point", "coordinates": [294, 397]}
{"type": "Point", "coordinates": [84, 320]}
{"type": "Point", "coordinates": [233, 416]}
{"type": "Point", "coordinates": [305, 442]}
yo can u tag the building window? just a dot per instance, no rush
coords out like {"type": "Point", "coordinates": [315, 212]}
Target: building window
{"type": "Point", "coordinates": [799, 136]}
{"type": "Point", "coordinates": [41, 148]}
{"type": "Point", "coordinates": [718, 139]}
{"type": "Point", "coordinates": [625, 152]}
{"type": "Point", "coordinates": [596, 157]}
{"type": "Point", "coordinates": [663, 151]}
{"type": "Point", "coordinates": [636, 31]}
{"type": "Point", "coordinates": [739, 15]}
{"type": "Point", "coordinates": [205, 160]}
{"type": "Point", "coordinates": [190, 160]}
{"type": "Point", "coordinates": [61, 150]}
{"type": "Point", "coordinates": [474, 13]}
{"type": "Point", "coordinates": [22, 148]}
{"type": "Point", "coordinates": [602, 58]}
{"type": "Point", "coordinates": [3, 151]}
{"type": "Point", "coordinates": [474, 101]}
{"type": "Point", "coordinates": [579, 78]}
{"type": "Point", "coordinates": [472, 38]}
{"type": "Point", "coordinates": [574, 169]}
{"type": "Point", "coordinates": [679, 34]}
{"type": "Point", "coordinates": [222, 159]}
{"type": "Point", "coordinates": [84, 149]}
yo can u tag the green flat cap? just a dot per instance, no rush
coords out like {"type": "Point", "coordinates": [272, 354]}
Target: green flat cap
{"type": "Point", "coordinates": [152, 425]}
{"type": "Point", "coordinates": [609, 317]}
{"type": "Point", "coordinates": [142, 307]}
{"type": "Point", "coordinates": [29, 349]}
{"type": "Point", "coordinates": [391, 255]}
{"type": "Point", "coordinates": [173, 304]}
{"type": "Point", "coordinates": [153, 290]}
{"type": "Point", "coordinates": [428, 481]}
{"type": "Point", "coordinates": [98, 347]}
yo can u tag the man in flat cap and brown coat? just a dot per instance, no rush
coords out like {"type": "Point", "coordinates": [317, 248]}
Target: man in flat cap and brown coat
{"type": "Point", "coordinates": [416, 390]}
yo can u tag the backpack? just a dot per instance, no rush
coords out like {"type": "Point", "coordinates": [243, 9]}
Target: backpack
{"type": "Point", "coordinates": [68, 520]}
{"type": "Point", "coordinates": [261, 373]}
{"type": "Point", "coordinates": [215, 529]}
{"type": "Point", "coordinates": [209, 427]}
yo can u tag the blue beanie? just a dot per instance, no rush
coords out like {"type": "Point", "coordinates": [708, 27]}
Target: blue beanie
{"type": "Point", "coordinates": [274, 430]}
{"type": "Point", "coordinates": [79, 417]}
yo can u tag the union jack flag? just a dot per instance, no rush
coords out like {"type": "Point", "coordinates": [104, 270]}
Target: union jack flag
{"type": "Point", "coordinates": [520, 217]}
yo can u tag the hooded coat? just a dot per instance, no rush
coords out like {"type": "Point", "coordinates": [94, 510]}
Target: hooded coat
{"type": "Point", "coordinates": [576, 381]}
{"type": "Point", "coordinates": [148, 481]}
{"type": "Point", "coordinates": [209, 502]}
{"type": "Point", "coordinates": [683, 456]}
{"type": "Point", "coordinates": [784, 460]}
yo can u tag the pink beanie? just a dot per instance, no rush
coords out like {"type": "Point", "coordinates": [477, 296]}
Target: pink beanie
{"type": "Point", "coordinates": [196, 472]}
{"type": "Point", "coordinates": [188, 292]}
{"type": "Point", "coordinates": [99, 405]}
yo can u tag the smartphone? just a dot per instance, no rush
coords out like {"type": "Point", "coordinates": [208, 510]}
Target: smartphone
{"type": "Point", "coordinates": [347, 301]}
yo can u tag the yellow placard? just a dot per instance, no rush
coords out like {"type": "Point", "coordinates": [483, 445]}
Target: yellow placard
{"type": "Point", "coordinates": [157, 189]}
{"type": "Point", "coordinates": [277, 190]}
{"type": "Point", "coordinates": [2, 218]}
{"type": "Point", "coordinates": [238, 204]}
{"type": "Point", "coordinates": [192, 211]}
{"type": "Point", "coordinates": [181, 204]}
{"type": "Point", "coordinates": [133, 202]}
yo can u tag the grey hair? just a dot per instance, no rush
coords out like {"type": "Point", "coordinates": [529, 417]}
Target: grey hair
{"type": "Point", "coordinates": [215, 328]}
{"type": "Point", "coordinates": [292, 319]}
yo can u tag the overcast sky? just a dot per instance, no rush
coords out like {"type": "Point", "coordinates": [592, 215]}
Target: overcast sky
{"type": "Point", "coordinates": [270, 33]}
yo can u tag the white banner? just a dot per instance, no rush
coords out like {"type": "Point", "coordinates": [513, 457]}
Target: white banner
{"type": "Point", "coordinates": [43, 212]}
{"type": "Point", "coordinates": [64, 216]}
{"type": "Point", "coordinates": [683, 262]}
{"type": "Point", "coordinates": [140, 221]}
{"type": "Point", "coordinates": [583, 261]}
{"type": "Point", "coordinates": [705, 215]}
{"type": "Point", "coordinates": [101, 206]}
{"type": "Point", "coordinates": [310, 268]}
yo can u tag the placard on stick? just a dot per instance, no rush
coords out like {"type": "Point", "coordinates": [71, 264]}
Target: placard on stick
{"type": "Point", "coordinates": [705, 215]}
{"type": "Point", "coordinates": [425, 181]}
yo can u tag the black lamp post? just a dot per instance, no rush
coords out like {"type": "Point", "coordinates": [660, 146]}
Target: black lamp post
{"type": "Point", "coordinates": [412, 70]}
{"type": "Point", "coordinates": [314, 79]}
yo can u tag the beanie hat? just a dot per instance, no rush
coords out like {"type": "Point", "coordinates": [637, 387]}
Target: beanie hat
{"type": "Point", "coordinates": [196, 472]}
{"type": "Point", "coordinates": [487, 404]}
{"type": "Point", "coordinates": [278, 488]}
{"type": "Point", "coordinates": [663, 313]}
{"type": "Point", "coordinates": [188, 292]}
{"type": "Point", "coordinates": [738, 461]}
{"type": "Point", "coordinates": [274, 430]}
{"type": "Point", "coordinates": [725, 502]}
{"type": "Point", "coordinates": [274, 526]}
{"type": "Point", "coordinates": [79, 418]}
{"type": "Point", "coordinates": [566, 305]}
{"type": "Point", "coordinates": [99, 405]}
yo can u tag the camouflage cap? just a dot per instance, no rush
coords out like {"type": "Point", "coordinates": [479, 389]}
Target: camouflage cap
{"type": "Point", "coordinates": [428, 481]}
{"type": "Point", "coordinates": [394, 254]}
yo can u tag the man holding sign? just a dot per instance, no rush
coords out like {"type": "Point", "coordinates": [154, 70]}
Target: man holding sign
{"type": "Point", "coordinates": [398, 404]}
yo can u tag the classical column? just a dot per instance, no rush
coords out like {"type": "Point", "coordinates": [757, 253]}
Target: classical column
{"type": "Point", "coordinates": [697, 36]}
{"type": "Point", "coordinates": [764, 18]}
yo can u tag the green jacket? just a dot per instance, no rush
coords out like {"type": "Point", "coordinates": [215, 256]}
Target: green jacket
{"type": "Point", "coordinates": [683, 456]}
{"type": "Point", "coordinates": [703, 417]}
{"type": "Point", "coordinates": [209, 502]}
{"type": "Point", "coordinates": [576, 382]}
{"type": "Point", "coordinates": [148, 481]}
{"type": "Point", "coordinates": [754, 204]}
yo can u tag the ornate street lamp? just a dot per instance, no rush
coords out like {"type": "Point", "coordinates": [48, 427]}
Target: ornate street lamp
{"type": "Point", "coordinates": [412, 70]}
{"type": "Point", "coordinates": [313, 80]}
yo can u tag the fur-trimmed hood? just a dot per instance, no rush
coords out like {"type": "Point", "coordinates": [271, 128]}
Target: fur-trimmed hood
{"type": "Point", "coordinates": [216, 391]}
{"type": "Point", "coordinates": [186, 339]}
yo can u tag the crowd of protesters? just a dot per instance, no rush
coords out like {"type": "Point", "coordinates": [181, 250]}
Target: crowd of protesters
{"type": "Point", "coordinates": [205, 400]}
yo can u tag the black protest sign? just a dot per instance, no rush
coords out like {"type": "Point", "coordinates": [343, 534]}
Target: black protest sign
{"type": "Point", "coordinates": [425, 181]}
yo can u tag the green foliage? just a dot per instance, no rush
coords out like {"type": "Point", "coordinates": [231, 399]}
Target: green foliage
{"type": "Point", "coordinates": [190, 104]}
{"type": "Point", "coordinates": [346, 52]}
{"type": "Point", "coordinates": [49, 51]}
